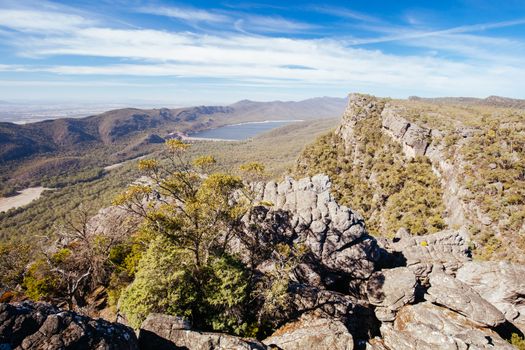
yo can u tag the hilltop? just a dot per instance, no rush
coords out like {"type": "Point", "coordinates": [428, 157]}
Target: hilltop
{"type": "Point", "coordinates": [426, 165]}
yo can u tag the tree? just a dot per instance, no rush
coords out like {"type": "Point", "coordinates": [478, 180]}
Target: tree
{"type": "Point", "coordinates": [75, 264]}
{"type": "Point", "coordinates": [193, 214]}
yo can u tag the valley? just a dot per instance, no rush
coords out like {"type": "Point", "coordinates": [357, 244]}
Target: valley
{"type": "Point", "coordinates": [262, 175]}
{"type": "Point", "coordinates": [384, 212]}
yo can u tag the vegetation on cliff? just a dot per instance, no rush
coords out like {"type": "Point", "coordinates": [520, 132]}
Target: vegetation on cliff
{"type": "Point", "coordinates": [388, 190]}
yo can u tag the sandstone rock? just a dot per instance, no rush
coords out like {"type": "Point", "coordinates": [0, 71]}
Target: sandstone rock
{"type": "Point", "coordinates": [325, 303]}
{"type": "Point", "coordinates": [413, 138]}
{"type": "Point", "coordinates": [500, 283]}
{"type": "Point", "coordinates": [305, 212]}
{"type": "Point", "coordinates": [168, 332]}
{"type": "Point", "coordinates": [445, 250]}
{"type": "Point", "coordinates": [359, 107]}
{"type": "Point", "coordinates": [451, 293]}
{"type": "Point", "coordinates": [310, 332]}
{"type": "Point", "coordinates": [42, 326]}
{"type": "Point", "coordinates": [390, 290]}
{"type": "Point", "coordinates": [113, 221]}
{"type": "Point", "coordinates": [425, 326]}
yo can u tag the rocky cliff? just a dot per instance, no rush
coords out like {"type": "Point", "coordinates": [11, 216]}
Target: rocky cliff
{"type": "Point", "coordinates": [466, 160]}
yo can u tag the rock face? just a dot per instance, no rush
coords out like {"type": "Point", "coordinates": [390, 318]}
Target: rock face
{"type": "Point", "coordinates": [500, 283]}
{"type": "Point", "coordinates": [450, 292]}
{"type": "Point", "coordinates": [446, 250]}
{"type": "Point", "coordinates": [43, 326]}
{"type": "Point", "coordinates": [310, 332]}
{"type": "Point", "coordinates": [413, 138]}
{"type": "Point", "coordinates": [305, 212]}
{"type": "Point", "coordinates": [359, 107]}
{"type": "Point", "coordinates": [113, 222]}
{"type": "Point", "coordinates": [169, 332]}
{"type": "Point", "coordinates": [426, 326]}
{"type": "Point", "coordinates": [389, 290]}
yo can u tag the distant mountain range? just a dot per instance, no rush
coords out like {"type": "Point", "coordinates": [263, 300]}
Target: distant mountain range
{"type": "Point", "coordinates": [494, 101]}
{"type": "Point", "coordinates": [110, 128]}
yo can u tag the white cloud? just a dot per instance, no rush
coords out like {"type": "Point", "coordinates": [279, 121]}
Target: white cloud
{"type": "Point", "coordinates": [185, 13]}
{"type": "Point", "coordinates": [343, 13]}
{"type": "Point", "coordinates": [41, 21]}
{"type": "Point", "coordinates": [267, 61]}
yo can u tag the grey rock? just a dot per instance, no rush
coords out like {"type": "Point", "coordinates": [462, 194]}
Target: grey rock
{"type": "Point", "coordinates": [311, 332]}
{"type": "Point", "coordinates": [390, 290]}
{"type": "Point", "coordinates": [446, 250]}
{"type": "Point", "coordinates": [113, 221]}
{"type": "Point", "coordinates": [413, 138]}
{"type": "Point", "coordinates": [30, 325]}
{"type": "Point", "coordinates": [359, 107]}
{"type": "Point", "coordinates": [425, 326]}
{"type": "Point", "coordinates": [304, 212]}
{"type": "Point", "coordinates": [450, 292]}
{"type": "Point", "coordinates": [325, 303]}
{"type": "Point", "coordinates": [167, 332]}
{"type": "Point", "coordinates": [500, 283]}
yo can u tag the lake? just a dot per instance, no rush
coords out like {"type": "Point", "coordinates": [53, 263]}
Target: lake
{"type": "Point", "coordinates": [241, 131]}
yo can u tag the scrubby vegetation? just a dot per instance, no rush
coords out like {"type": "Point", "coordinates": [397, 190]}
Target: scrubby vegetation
{"type": "Point", "coordinates": [223, 295]}
{"type": "Point", "coordinates": [177, 262]}
{"type": "Point", "coordinates": [376, 180]}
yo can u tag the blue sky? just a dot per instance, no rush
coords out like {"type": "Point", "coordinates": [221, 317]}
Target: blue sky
{"type": "Point", "coordinates": [222, 51]}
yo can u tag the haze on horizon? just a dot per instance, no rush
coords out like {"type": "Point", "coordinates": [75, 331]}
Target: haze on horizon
{"type": "Point", "coordinates": [221, 52]}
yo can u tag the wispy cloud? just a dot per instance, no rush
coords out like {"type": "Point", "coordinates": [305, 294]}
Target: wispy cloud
{"type": "Point", "coordinates": [42, 21]}
{"type": "Point", "coordinates": [268, 24]}
{"type": "Point", "coordinates": [251, 57]}
{"type": "Point", "coordinates": [343, 13]}
{"type": "Point", "coordinates": [185, 13]}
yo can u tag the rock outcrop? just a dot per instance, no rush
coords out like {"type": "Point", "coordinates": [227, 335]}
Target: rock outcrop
{"type": "Point", "coordinates": [425, 326]}
{"type": "Point", "coordinates": [500, 283]}
{"type": "Point", "coordinates": [413, 138]}
{"type": "Point", "coordinates": [304, 212]}
{"type": "Point", "coordinates": [455, 295]}
{"type": "Point", "coordinates": [311, 332]}
{"type": "Point", "coordinates": [391, 289]}
{"type": "Point", "coordinates": [43, 326]}
{"type": "Point", "coordinates": [172, 333]}
{"type": "Point", "coordinates": [446, 250]}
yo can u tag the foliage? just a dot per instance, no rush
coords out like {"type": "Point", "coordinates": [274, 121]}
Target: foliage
{"type": "Point", "coordinates": [186, 270]}
{"type": "Point", "coordinates": [376, 180]}
{"type": "Point", "coordinates": [517, 341]}
{"type": "Point", "coordinates": [14, 258]}
{"type": "Point", "coordinates": [40, 282]}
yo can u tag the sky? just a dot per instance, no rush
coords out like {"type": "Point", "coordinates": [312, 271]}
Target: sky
{"type": "Point", "coordinates": [186, 52]}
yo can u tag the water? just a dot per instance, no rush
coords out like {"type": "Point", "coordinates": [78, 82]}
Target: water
{"type": "Point", "coordinates": [241, 131]}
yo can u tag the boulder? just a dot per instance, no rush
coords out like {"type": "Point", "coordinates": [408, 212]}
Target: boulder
{"type": "Point", "coordinates": [390, 290]}
{"type": "Point", "coordinates": [426, 326]}
{"type": "Point", "coordinates": [311, 332]}
{"type": "Point", "coordinates": [451, 293]}
{"type": "Point", "coordinates": [446, 250]}
{"type": "Point", "coordinates": [166, 332]}
{"type": "Point", "coordinates": [113, 221]}
{"type": "Point", "coordinates": [500, 283]}
{"type": "Point", "coordinates": [30, 325]}
{"type": "Point", "coordinates": [325, 303]}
